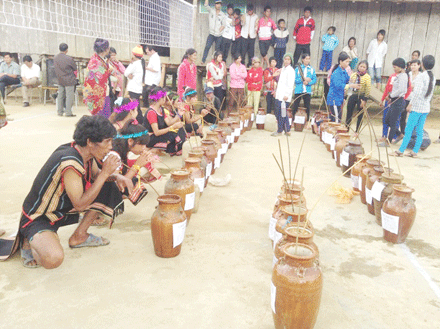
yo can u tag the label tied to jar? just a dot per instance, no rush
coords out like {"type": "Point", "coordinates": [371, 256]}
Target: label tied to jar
{"type": "Point", "coordinates": [237, 131]}
{"type": "Point", "coordinates": [252, 116]}
{"type": "Point", "coordinates": [217, 161]}
{"type": "Point", "coordinates": [273, 296]}
{"type": "Point", "coordinates": [390, 223]}
{"type": "Point", "coordinates": [200, 182]}
{"type": "Point", "coordinates": [290, 121]}
{"type": "Point", "coordinates": [260, 119]}
{"type": "Point", "coordinates": [355, 181]}
{"type": "Point", "coordinates": [360, 183]}
{"type": "Point", "coordinates": [377, 189]}
{"type": "Point", "coordinates": [368, 195]}
{"type": "Point", "coordinates": [189, 201]}
{"type": "Point", "coordinates": [332, 144]}
{"type": "Point", "coordinates": [344, 158]}
{"type": "Point", "coordinates": [178, 233]}
{"type": "Point", "coordinates": [208, 169]}
{"type": "Point", "coordinates": [272, 223]}
{"type": "Point", "coordinates": [241, 125]}
{"type": "Point", "coordinates": [300, 119]}
{"type": "Point", "coordinates": [246, 123]}
{"type": "Point", "coordinates": [224, 148]}
{"type": "Point", "coordinates": [312, 121]}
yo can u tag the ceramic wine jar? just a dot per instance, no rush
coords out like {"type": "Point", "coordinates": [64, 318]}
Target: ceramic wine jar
{"type": "Point", "coordinates": [236, 130]}
{"type": "Point", "coordinates": [288, 214]}
{"type": "Point", "coordinates": [388, 180]}
{"type": "Point", "coordinates": [259, 120]}
{"type": "Point", "coordinates": [168, 226]}
{"type": "Point", "coordinates": [322, 127]}
{"type": "Point", "coordinates": [295, 189]}
{"type": "Point", "coordinates": [361, 162]}
{"type": "Point", "coordinates": [181, 185]}
{"type": "Point", "coordinates": [300, 119]}
{"type": "Point", "coordinates": [205, 160]}
{"type": "Point", "coordinates": [398, 214]}
{"type": "Point", "coordinates": [370, 164]}
{"type": "Point", "coordinates": [227, 131]}
{"type": "Point", "coordinates": [211, 153]}
{"type": "Point", "coordinates": [342, 140]}
{"type": "Point", "coordinates": [348, 155]}
{"type": "Point", "coordinates": [196, 172]}
{"type": "Point", "coordinates": [372, 177]}
{"type": "Point", "coordinates": [296, 288]}
{"type": "Point", "coordinates": [282, 200]}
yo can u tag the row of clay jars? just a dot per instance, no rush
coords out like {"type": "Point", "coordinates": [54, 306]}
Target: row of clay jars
{"type": "Point", "coordinates": [370, 164]}
{"type": "Point", "coordinates": [351, 150]}
{"type": "Point", "coordinates": [240, 118]}
{"type": "Point", "coordinates": [361, 162]}
{"type": "Point", "coordinates": [168, 225]}
{"type": "Point", "coordinates": [326, 133]}
{"type": "Point", "coordinates": [296, 287]}
{"type": "Point", "coordinates": [181, 185]}
{"type": "Point", "coordinates": [322, 127]}
{"type": "Point", "coordinates": [333, 131]}
{"type": "Point", "coordinates": [388, 180]}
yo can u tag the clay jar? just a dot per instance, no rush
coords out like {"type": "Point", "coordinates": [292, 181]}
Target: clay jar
{"type": "Point", "coordinates": [261, 116]}
{"type": "Point", "coordinates": [348, 155]}
{"type": "Point", "coordinates": [227, 131]}
{"type": "Point", "coordinates": [328, 134]}
{"type": "Point", "coordinates": [341, 143]}
{"type": "Point", "coordinates": [356, 170]}
{"type": "Point", "coordinates": [372, 177]}
{"type": "Point", "coordinates": [388, 180]}
{"type": "Point", "coordinates": [168, 226]}
{"type": "Point", "coordinates": [398, 214]}
{"type": "Point", "coordinates": [236, 130]}
{"type": "Point", "coordinates": [246, 117]}
{"type": "Point", "coordinates": [181, 185]}
{"type": "Point", "coordinates": [196, 172]}
{"type": "Point", "coordinates": [205, 160]}
{"type": "Point", "coordinates": [322, 127]}
{"type": "Point", "coordinates": [369, 165]}
{"type": "Point", "coordinates": [300, 119]}
{"type": "Point", "coordinates": [293, 233]}
{"type": "Point", "coordinates": [316, 117]}
{"type": "Point", "coordinates": [294, 189]}
{"type": "Point", "coordinates": [288, 214]}
{"type": "Point", "coordinates": [296, 287]}
{"type": "Point", "coordinates": [282, 200]}
{"type": "Point", "coordinates": [224, 143]}
{"type": "Point", "coordinates": [211, 153]}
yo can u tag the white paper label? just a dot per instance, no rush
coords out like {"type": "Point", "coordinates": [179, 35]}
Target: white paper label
{"type": "Point", "coordinates": [241, 125]}
{"type": "Point", "coordinates": [390, 223]}
{"type": "Point", "coordinates": [208, 169]}
{"type": "Point", "coordinates": [224, 148]}
{"type": "Point", "coordinates": [273, 296]}
{"type": "Point", "coordinates": [246, 123]}
{"type": "Point", "coordinates": [324, 137]}
{"type": "Point", "coordinates": [272, 224]}
{"type": "Point", "coordinates": [355, 181]}
{"type": "Point", "coordinates": [178, 233]}
{"type": "Point", "coordinates": [344, 158]}
{"type": "Point", "coordinates": [252, 116]}
{"type": "Point", "coordinates": [260, 119]}
{"type": "Point", "coordinates": [200, 182]}
{"type": "Point", "coordinates": [189, 201]}
{"type": "Point", "coordinates": [290, 121]}
{"type": "Point", "coordinates": [237, 132]}
{"type": "Point", "coordinates": [217, 162]}
{"type": "Point", "coordinates": [276, 237]}
{"type": "Point", "coordinates": [300, 119]}
{"type": "Point", "coordinates": [377, 189]}
{"type": "Point", "coordinates": [274, 260]}
{"type": "Point", "coordinates": [368, 195]}
{"type": "Point", "coordinates": [332, 144]}
{"type": "Point", "coordinates": [230, 138]}
{"type": "Point", "coordinates": [360, 183]}
{"type": "Point", "coordinates": [312, 121]}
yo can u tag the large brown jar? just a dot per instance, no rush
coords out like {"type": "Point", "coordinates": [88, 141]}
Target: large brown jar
{"type": "Point", "coordinates": [289, 214]}
{"type": "Point", "coordinates": [322, 128]}
{"type": "Point", "coordinates": [300, 119]}
{"type": "Point", "coordinates": [224, 143]}
{"type": "Point", "coordinates": [181, 185]}
{"type": "Point", "coordinates": [372, 177]}
{"type": "Point", "coordinates": [205, 159]}
{"type": "Point", "coordinates": [282, 200]}
{"type": "Point", "coordinates": [261, 117]}
{"type": "Point", "coordinates": [211, 154]}
{"type": "Point", "coordinates": [370, 164]}
{"type": "Point", "coordinates": [348, 156]}
{"type": "Point", "coordinates": [295, 189]}
{"type": "Point", "coordinates": [196, 173]}
{"type": "Point", "coordinates": [168, 226]}
{"type": "Point", "coordinates": [227, 132]}
{"type": "Point", "coordinates": [342, 140]}
{"type": "Point", "coordinates": [296, 288]}
{"type": "Point", "coordinates": [387, 181]}
{"type": "Point", "coordinates": [236, 130]}
{"type": "Point", "coordinates": [327, 135]}
{"type": "Point", "coordinates": [398, 214]}
{"type": "Point", "coordinates": [361, 160]}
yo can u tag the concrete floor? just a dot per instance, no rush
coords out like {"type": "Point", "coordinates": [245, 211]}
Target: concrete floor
{"type": "Point", "coordinates": [222, 277]}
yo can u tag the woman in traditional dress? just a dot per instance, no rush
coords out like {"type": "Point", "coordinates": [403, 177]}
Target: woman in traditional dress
{"type": "Point", "coordinates": [117, 73]}
{"type": "Point", "coordinates": [189, 116]}
{"type": "Point", "coordinates": [96, 78]}
{"type": "Point", "coordinates": [187, 72]}
{"type": "Point", "coordinates": [125, 112]}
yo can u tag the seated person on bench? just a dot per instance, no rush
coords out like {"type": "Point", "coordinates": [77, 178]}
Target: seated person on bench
{"type": "Point", "coordinates": [30, 75]}
{"type": "Point", "coordinates": [9, 73]}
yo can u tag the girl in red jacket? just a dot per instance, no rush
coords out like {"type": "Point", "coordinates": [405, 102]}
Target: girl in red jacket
{"type": "Point", "coordinates": [254, 82]}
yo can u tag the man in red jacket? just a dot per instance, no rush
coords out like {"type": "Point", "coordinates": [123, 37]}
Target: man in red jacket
{"type": "Point", "coordinates": [303, 34]}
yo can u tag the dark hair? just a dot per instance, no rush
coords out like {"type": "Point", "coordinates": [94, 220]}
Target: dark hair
{"type": "Point", "coordinates": [112, 50]}
{"type": "Point", "coordinates": [249, 6]}
{"type": "Point", "coordinates": [237, 11]}
{"type": "Point", "coordinates": [27, 58]}
{"type": "Point", "coordinates": [189, 92]}
{"type": "Point", "coordinates": [308, 8]}
{"type": "Point", "coordinates": [119, 116]}
{"type": "Point", "coordinates": [188, 52]}
{"type": "Point", "coordinates": [352, 38]}
{"type": "Point", "coordinates": [230, 5]}
{"type": "Point", "coordinates": [428, 63]}
{"type": "Point", "coordinates": [272, 59]}
{"type": "Point", "coordinates": [332, 28]}
{"type": "Point", "coordinates": [149, 47]}
{"type": "Point", "coordinates": [363, 62]}
{"type": "Point", "coordinates": [236, 55]}
{"type": "Point", "coordinates": [381, 32]}
{"type": "Point", "coordinates": [216, 54]}
{"type": "Point", "coordinates": [100, 45]}
{"type": "Point", "coordinates": [94, 128]}
{"type": "Point", "coordinates": [281, 20]}
{"type": "Point", "coordinates": [63, 47]}
{"type": "Point", "coordinates": [417, 52]}
{"type": "Point", "coordinates": [417, 61]}
{"type": "Point", "coordinates": [342, 57]}
{"type": "Point", "coordinates": [120, 145]}
{"type": "Point", "coordinates": [7, 54]}
{"type": "Point", "coordinates": [154, 91]}
{"type": "Point", "coordinates": [266, 7]}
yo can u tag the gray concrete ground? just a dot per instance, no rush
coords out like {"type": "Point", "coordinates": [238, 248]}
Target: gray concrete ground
{"type": "Point", "coordinates": [222, 277]}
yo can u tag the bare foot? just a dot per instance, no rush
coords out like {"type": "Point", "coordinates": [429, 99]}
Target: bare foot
{"type": "Point", "coordinates": [99, 221]}
{"type": "Point", "coordinates": [27, 246]}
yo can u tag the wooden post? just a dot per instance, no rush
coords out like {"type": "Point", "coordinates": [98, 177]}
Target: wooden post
{"type": "Point", "coordinates": [163, 82]}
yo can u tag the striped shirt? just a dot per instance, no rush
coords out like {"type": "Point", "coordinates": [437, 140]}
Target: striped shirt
{"type": "Point", "coordinates": [420, 103]}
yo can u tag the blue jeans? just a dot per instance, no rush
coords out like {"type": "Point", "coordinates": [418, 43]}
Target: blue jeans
{"type": "Point", "coordinates": [375, 74]}
{"type": "Point", "coordinates": [211, 39]}
{"type": "Point", "coordinates": [283, 122]}
{"type": "Point", "coordinates": [326, 60]}
{"type": "Point", "coordinates": [279, 54]}
{"type": "Point", "coordinates": [385, 126]}
{"type": "Point", "coordinates": [416, 120]}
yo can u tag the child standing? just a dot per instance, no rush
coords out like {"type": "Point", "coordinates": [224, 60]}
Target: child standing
{"type": "Point", "coordinates": [271, 75]}
{"type": "Point", "coordinates": [254, 81]}
{"type": "Point", "coordinates": [331, 41]}
{"type": "Point", "coordinates": [352, 51]}
{"type": "Point", "coordinates": [280, 39]}
{"type": "Point", "coordinates": [266, 26]}
{"type": "Point", "coordinates": [236, 42]}
{"type": "Point", "coordinates": [305, 77]}
{"type": "Point", "coordinates": [238, 74]}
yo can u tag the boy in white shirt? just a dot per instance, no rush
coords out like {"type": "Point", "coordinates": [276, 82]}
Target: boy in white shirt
{"type": "Point", "coordinates": [135, 74]}
{"type": "Point", "coordinates": [30, 75]}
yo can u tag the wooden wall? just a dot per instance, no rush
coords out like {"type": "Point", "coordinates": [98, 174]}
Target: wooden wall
{"type": "Point", "coordinates": [409, 26]}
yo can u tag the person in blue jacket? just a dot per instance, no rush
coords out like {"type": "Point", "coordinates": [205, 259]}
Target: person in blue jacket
{"type": "Point", "coordinates": [338, 80]}
{"type": "Point", "coordinates": [305, 77]}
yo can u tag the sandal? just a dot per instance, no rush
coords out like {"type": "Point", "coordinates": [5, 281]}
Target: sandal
{"type": "Point", "coordinates": [92, 241]}
{"type": "Point", "coordinates": [412, 154]}
{"type": "Point", "coordinates": [397, 154]}
{"type": "Point", "coordinates": [26, 255]}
